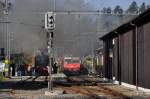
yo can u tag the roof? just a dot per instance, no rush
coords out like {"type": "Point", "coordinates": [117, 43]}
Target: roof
{"type": "Point", "coordinates": [143, 18]}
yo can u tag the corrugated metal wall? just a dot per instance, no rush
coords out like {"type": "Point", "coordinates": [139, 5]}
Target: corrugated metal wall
{"type": "Point", "coordinates": [141, 57]}
{"type": "Point", "coordinates": [144, 56]}
{"type": "Point", "coordinates": [128, 57]}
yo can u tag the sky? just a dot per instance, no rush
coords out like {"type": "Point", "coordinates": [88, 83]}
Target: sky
{"type": "Point", "coordinates": [112, 3]}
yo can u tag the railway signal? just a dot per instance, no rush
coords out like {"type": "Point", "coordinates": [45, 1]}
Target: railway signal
{"type": "Point", "coordinates": [50, 26]}
{"type": "Point", "coordinates": [49, 21]}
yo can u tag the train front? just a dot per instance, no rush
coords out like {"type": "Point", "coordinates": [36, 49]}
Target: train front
{"type": "Point", "coordinates": [71, 65]}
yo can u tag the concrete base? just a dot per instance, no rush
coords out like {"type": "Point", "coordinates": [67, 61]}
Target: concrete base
{"type": "Point", "coordinates": [54, 92]}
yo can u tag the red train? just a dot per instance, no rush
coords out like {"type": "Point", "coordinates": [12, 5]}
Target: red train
{"type": "Point", "coordinates": [71, 65]}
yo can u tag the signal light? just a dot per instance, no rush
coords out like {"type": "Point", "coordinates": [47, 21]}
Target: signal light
{"type": "Point", "coordinates": [49, 21]}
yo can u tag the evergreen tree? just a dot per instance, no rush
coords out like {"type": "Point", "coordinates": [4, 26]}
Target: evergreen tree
{"type": "Point", "coordinates": [118, 10]}
{"type": "Point", "coordinates": [143, 7]}
{"type": "Point", "coordinates": [133, 8]}
{"type": "Point", "coordinates": [109, 10]}
{"type": "Point", "coordinates": [104, 10]}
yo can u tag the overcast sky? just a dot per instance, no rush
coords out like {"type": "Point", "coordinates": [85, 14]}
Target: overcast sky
{"type": "Point", "coordinates": [112, 3]}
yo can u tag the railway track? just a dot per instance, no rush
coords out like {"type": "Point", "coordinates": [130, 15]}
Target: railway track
{"type": "Point", "coordinates": [94, 92]}
{"type": "Point", "coordinates": [91, 86]}
{"type": "Point", "coordinates": [87, 86]}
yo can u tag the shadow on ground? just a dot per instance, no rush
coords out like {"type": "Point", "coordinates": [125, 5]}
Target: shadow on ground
{"type": "Point", "coordinates": [33, 85]}
{"type": "Point", "coordinates": [30, 85]}
{"type": "Point", "coordinates": [83, 70]}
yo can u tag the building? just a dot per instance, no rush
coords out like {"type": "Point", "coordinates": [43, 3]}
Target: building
{"type": "Point", "coordinates": [127, 52]}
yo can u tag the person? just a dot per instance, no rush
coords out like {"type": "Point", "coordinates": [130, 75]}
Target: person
{"type": "Point", "coordinates": [29, 69]}
{"type": "Point", "coordinates": [6, 68]}
{"type": "Point", "coordinates": [55, 68]}
{"type": "Point", "coordinates": [2, 65]}
{"type": "Point", "coordinates": [21, 70]}
{"type": "Point", "coordinates": [12, 66]}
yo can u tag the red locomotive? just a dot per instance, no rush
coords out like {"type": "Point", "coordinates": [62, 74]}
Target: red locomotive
{"type": "Point", "coordinates": [71, 65]}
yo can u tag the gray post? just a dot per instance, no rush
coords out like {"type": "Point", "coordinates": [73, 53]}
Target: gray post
{"type": "Point", "coordinates": [7, 36]}
{"type": "Point", "coordinates": [49, 26]}
{"type": "Point", "coordinates": [136, 53]}
{"type": "Point", "coordinates": [136, 31]}
{"type": "Point", "coordinates": [50, 53]}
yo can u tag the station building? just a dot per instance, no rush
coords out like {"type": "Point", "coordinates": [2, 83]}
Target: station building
{"type": "Point", "coordinates": [127, 52]}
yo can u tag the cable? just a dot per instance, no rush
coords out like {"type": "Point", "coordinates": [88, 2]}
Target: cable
{"type": "Point", "coordinates": [22, 23]}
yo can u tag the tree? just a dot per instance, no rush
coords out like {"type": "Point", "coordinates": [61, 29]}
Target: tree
{"type": "Point", "coordinates": [143, 7]}
{"type": "Point", "coordinates": [109, 10]}
{"type": "Point", "coordinates": [118, 10]}
{"type": "Point", "coordinates": [133, 8]}
{"type": "Point", "coordinates": [104, 10]}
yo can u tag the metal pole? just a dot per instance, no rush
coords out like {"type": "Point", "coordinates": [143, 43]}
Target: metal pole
{"type": "Point", "coordinates": [7, 36]}
{"type": "Point", "coordinates": [50, 52]}
{"type": "Point", "coordinates": [136, 31]}
{"type": "Point", "coordinates": [136, 53]}
{"type": "Point", "coordinates": [119, 57]}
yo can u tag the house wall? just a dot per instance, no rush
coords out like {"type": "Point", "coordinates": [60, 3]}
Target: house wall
{"type": "Point", "coordinates": [127, 57]}
{"type": "Point", "coordinates": [144, 56]}
{"type": "Point", "coordinates": [127, 52]}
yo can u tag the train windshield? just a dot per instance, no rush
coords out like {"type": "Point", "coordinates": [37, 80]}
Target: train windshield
{"type": "Point", "coordinates": [69, 61]}
{"type": "Point", "coordinates": [75, 61]}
